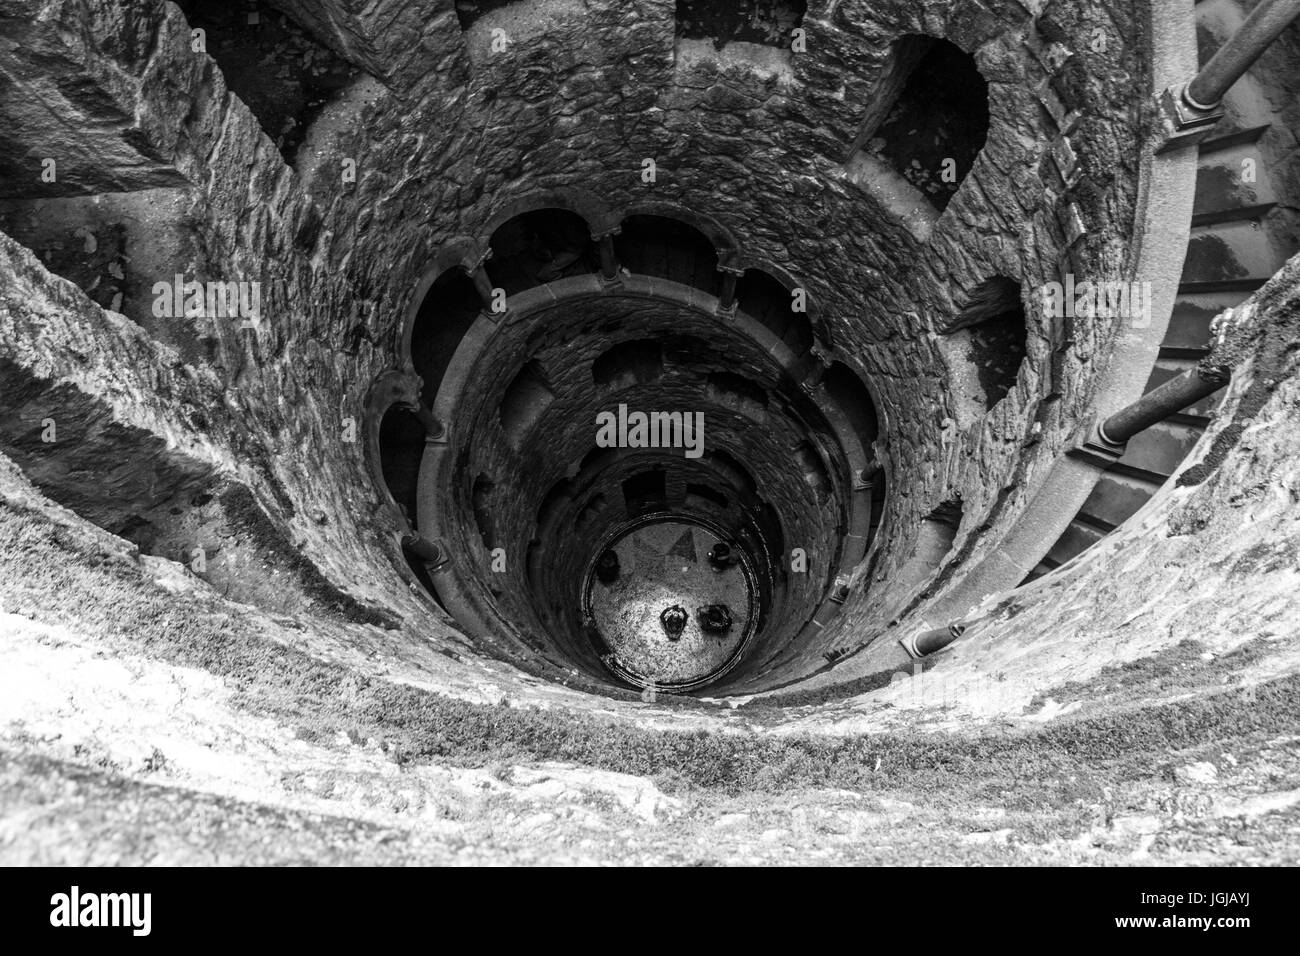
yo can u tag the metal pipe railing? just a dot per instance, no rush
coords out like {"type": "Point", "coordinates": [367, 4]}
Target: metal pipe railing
{"type": "Point", "coordinates": [928, 642]}
{"type": "Point", "coordinates": [433, 428]}
{"type": "Point", "coordinates": [430, 552]}
{"type": "Point", "coordinates": [1193, 109]}
{"type": "Point", "coordinates": [1159, 403]}
{"type": "Point", "coordinates": [1264, 25]}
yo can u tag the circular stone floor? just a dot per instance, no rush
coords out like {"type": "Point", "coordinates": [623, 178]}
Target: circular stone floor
{"type": "Point", "coordinates": [662, 563]}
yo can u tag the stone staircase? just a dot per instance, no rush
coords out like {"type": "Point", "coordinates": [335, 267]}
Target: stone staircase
{"type": "Point", "coordinates": [1244, 227]}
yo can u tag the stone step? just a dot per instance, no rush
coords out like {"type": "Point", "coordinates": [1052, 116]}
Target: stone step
{"type": "Point", "coordinates": [1240, 237]}
{"type": "Point", "coordinates": [1162, 447]}
{"type": "Point", "coordinates": [1076, 538]}
{"type": "Point", "coordinates": [1189, 325]}
{"type": "Point", "coordinates": [1232, 183]}
{"type": "Point", "coordinates": [1228, 256]}
{"type": "Point", "coordinates": [1231, 137]}
{"type": "Point", "coordinates": [1117, 497]}
{"type": "Point", "coordinates": [109, 447]}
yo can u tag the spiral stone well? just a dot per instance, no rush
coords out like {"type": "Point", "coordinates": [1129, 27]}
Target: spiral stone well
{"type": "Point", "coordinates": [372, 518]}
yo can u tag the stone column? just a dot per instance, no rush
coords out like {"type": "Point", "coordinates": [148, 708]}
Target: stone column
{"type": "Point", "coordinates": [818, 365]}
{"type": "Point", "coordinates": [473, 264]}
{"type": "Point", "coordinates": [608, 260]}
{"type": "Point", "coordinates": [727, 297]}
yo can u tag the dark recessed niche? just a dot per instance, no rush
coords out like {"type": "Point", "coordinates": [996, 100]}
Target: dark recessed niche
{"type": "Point", "coordinates": [994, 326]}
{"type": "Point", "coordinates": [274, 66]}
{"type": "Point", "coordinates": [469, 11]}
{"type": "Point", "coordinates": [738, 392]}
{"type": "Point", "coordinates": [948, 514]}
{"type": "Point", "coordinates": [813, 470]}
{"type": "Point", "coordinates": [540, 246]}
{"type": "Point", "coordinates": [448, 310]}
{"type": "Point", "coordinates": [934, 541]}
{"type": "Point", "coordinates": [670, 249]}
{"type": "Point", "coordinates": [708, 494]}
{"type": "Point", "coordinates": [848, 393]}
{"type": "Point", "coordinates": [929, 116]}
{"type": "Point", "coordinates": [645, 491]}
{"type": "Point", "coordinates": [762, 297]}
{"type": "Point", "coordinates": [401, 448]}
{"type": "Point", "coordinates": [525, 401]}
{"type": "Point", "coordinates": [993, 297]}
{"type": "Point", "coordinates": [481, 502]}
{"type": "Point", "coordinates": [732, 472]}
{"type": "Point", "coordinates": [629, 363]}
{"type": "Point", "coordinates": [560, 495]}
{"type": "Point", "coordinates": [997, 348]}
{"type": "Point", "coordinates": [591, 510]}
{"type": "Point", "coordinates": [767, 22]}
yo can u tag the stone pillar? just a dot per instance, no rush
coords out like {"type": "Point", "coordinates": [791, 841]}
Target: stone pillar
{"type": "Point", "coordinates": [608, 260]}
{"type": "Point", "coordinates": [727, 297]}
{"type": "Point", "coordinates": [434, 429]}
{"type": "Point", "coordinates": [818, 365]}
{"type": "Point", "coordinates": [865, 479]}
{"type": "Point", "coordinates": [482, 285]}
{"type": "Point", "coordinates": [473, 264]}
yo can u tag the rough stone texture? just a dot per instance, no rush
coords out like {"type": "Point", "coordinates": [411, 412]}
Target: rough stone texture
{"type": "Point", "coordinates": [459, 130]}
{"type": "Point", "coordinates": [1210, 559]}
{"type": "Point", "coordinates": [82, 383]}
{"type": "Point", "coordinates": [445, 135]}
{"type": "Point", "coordinates": [70, 97]}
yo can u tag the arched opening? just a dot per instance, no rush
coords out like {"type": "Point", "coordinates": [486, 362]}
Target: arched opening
{"type": "Point", "coordinates": [559, 496]}
{"type": "Point", "coordinates": [449, 309]}
{"type": "Point", "coordinates": [525, 401]}
{"type": "Point", "coordinates": [401, 446]}
{"type": "Point", "coordinates": [934, 540]}
{"type": "Point", "coordinates": [990, 333]}
{"type": "Point", "coordinates": [645, 491]}
{"type": "Point", "coordinates": [737, 392]}
{"type": "Point", "coordinates": [481, 502]}
{"type": "Point", "coordinates": [929, 116]}
{"type": "Point", "coordinates": [469, 11]}
{"type": "Point", "coordinates": [706, 495]}
{"type": "Point", "coordinates": [733, 472]}
{"type": "Point", "coordinates": [308, 75]}
{"type": "Point", "coordinates": [813, 469]}
{"type": "Point", "coordinates": [659, 246]}
{"type": "Point", "coordinates": [848, 393]}
{"type": "Point", "coordinates": [628, 364]}
{"type": "Point", "coordinates": [540, 246]}
{"type": "Point", "coordinates": [764, 298]}
{"type": "Point", "coordinates": [766, 22]}
{"type": "Point", "coordinates": [852, 398]}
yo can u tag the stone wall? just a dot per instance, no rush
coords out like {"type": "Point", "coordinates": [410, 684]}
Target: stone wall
{"type": "Point", "coordinates": [583, 93]}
